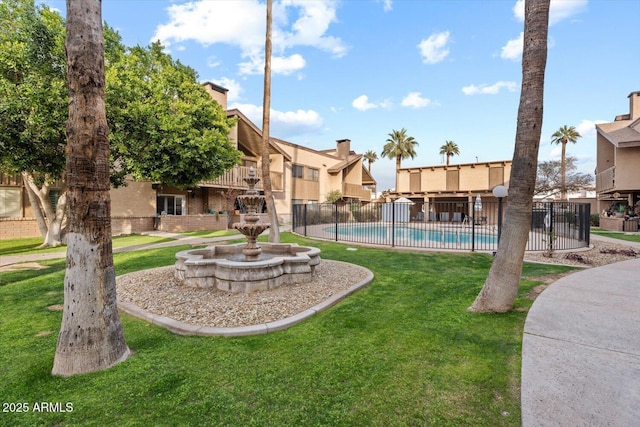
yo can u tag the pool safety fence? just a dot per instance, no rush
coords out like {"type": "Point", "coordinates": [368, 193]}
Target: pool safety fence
{"type": "Point", "coordinates": [459, 225]}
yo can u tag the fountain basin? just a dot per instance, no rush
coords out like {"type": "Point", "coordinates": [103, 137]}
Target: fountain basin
{"type": "Point", "coordinates": [225, 267]}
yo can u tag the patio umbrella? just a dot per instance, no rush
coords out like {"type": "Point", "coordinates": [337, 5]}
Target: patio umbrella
{"type": "Point", "coordinates": [477, 206]}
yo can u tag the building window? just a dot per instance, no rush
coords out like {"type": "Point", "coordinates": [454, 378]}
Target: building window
{"type": "Point", "coordinates": [313, 174]}
{"type": "Point", "coordinates": [297, 201]}
{"type": "Point", "coordinates": [170, 205]}
{"type": "Point", "coordinates": [297, 171]}
{"type": "Point", "coordinates": [9, 203]}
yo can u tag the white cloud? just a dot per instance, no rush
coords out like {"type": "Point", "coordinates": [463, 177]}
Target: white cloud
{"type": "Point", "coordinates": [415, 100]}
{"type": "Point", "coordinates": [362, 103]}
{"type": "Point", "coordinates": [587, 128]}
{"type": "Point", "coordinates": [493, 89]}
{"type": "Point", "coordinates": [212, 61]}
{"type": "Point", "coordinates": [243, 26]}
{"type": "Point", "coordinates": [284, 124]}
{"type": "Point", "coordinates": [279, 64]}
{"type": "Point", "coordinates": [513, 49]}
{"type": "Point", "coordinates": [434, 48]}
{"type": "Point", "coordinates": [558, 9]}
{"type": "Point", "coordinates": [235, 90]}
{"type": "Point", "coordinates": [387, 5]}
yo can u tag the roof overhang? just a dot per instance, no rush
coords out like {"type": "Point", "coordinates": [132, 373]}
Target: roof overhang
{"type": "Point", "coordinates": [250, 136]}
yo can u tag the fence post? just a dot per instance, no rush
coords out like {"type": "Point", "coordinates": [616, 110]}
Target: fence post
{"type": "Point", "coordinates": [473, 229]}
{"type": "Point", "coordinates": [305, 220]}
{"type": "Point", "coordinates": [393, 223]}
{"type": "Point", "coordinates": [336, 206]}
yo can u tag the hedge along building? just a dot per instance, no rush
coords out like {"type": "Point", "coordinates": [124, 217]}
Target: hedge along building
{"type": "Point", "coordinates": [298, 174]}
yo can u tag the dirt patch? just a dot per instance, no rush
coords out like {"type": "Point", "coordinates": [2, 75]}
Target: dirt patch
{"type": "Point", "coordinates": [44, 333]}
{"type": "Point", "coordinates": [56, 307]}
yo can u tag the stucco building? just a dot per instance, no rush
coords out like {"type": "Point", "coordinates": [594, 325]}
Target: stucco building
{"type": "Point", "coordinates": [457, 184]}
{"type": "Point", "coordinates": [618, 163]}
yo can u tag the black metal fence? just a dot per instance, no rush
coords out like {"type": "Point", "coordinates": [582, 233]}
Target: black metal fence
{"type": "Point", "coordinates": [441, 225]}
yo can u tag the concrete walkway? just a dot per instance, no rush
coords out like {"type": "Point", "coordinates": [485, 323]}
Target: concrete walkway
{"type": "Point", "coordinates": [178, 239]}
{"type": "Point", "coordinates": [581, 349]}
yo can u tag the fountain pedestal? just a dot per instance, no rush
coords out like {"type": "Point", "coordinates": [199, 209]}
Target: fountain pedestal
{"type": "Point", "coordinates": [247, 267]}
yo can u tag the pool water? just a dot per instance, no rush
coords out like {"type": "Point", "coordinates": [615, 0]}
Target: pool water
{"type": "Point", "coordinates": [376, 232]}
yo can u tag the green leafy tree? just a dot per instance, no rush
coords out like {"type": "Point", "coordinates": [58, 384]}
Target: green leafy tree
{"type": "Point", "coordinates": [333, 196]}
{"type": "Point", "coordinates": [562, 136]}
{"type": "Point", "coordinates": [399, 146]}
{"type": "Point", "coordinates": [501, 287]}
{"type": "Point", "coordinates": [163, 125]}
{"type": "Point", "coordinates": [449, 148]}
{"type": "Point", "coordinates": [33, 106]}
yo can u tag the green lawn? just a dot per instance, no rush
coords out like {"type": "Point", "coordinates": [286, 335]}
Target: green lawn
{"type": "Point", "coordinates": [617, 235]}
{"type": "Point", "coordinates": [207, 234]}
{"type": "Point", "coordinates": [402, 352]}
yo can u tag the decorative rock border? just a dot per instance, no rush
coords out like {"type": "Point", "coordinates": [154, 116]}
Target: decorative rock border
{"type": "Point", "coordinates": [183, 328]}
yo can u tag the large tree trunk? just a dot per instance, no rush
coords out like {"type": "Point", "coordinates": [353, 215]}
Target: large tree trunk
{"type": "Point", "coordinates": [501, 287]}
{"type": "Point", "coordinates": [274, 230]}
{"type": "Point", "coordinates": [91, 336]}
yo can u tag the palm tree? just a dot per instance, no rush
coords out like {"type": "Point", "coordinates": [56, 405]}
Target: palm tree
{"type": "Point", "coordinates": [399, 146]}
{"type": "Point", "coordinates": [91, 336]}
{"type": "Point", "coordinates": [562, 136]}
{"type": "Point", "coordinates": [449, 149]}
{"type": "Point", "coordinates": [274, 230]}
{"type": "Point", "coordinates": [370, 156]}
{"type": "Point", "coordinates": [501, 287]}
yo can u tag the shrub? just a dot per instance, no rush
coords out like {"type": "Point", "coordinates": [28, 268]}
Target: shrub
{"type": "Point", "coordinates": [595, 220]}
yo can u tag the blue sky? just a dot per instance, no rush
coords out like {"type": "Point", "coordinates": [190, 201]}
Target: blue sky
{"type": "Point", "coordinates": [442, 69]}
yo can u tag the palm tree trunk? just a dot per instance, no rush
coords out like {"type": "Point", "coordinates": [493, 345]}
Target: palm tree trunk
{"type": "Point", "coordinates": [501, 287]}
{"type": "Point", "coordinates": [563, 172]}
{"type": "Point", "coordinates": [91, 336]}
{"type": "Point", "coordinates": [274, 230]}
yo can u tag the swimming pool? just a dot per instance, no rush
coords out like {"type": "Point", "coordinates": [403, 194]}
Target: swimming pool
{"type": "Point", "coordinates": [412, 236]}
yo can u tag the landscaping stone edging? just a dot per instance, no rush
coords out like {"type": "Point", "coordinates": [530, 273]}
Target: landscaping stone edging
{"type": "Point", "coordinates": [183, 328]}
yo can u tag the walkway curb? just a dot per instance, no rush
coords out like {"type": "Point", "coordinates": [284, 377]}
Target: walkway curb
{"type": "Point", "coordinates": [187, 329]}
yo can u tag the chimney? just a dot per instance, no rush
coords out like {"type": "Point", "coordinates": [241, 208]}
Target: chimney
{"type": "Point", "coordinates": [343, 148]}
{"type": "Point", "coordinates": [218, 93]}
{"type": "Point", "coordinates": [634, 105]}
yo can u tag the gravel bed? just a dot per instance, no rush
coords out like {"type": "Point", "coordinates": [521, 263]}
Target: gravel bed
{"type": "Point", "coordinates": [156, 291]}
{"type": "Point", "coordinates": [592, 257]}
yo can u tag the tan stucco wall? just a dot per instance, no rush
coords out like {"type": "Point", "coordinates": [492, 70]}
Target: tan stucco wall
{"type": "Point", "coordinates": [136, 199]}
{"type": "Point", "coordinates": [472, 177]}
{"type": "Point", "coordinates": [605, 154]}
{"type": "Point", "coordinates": [627, 168]}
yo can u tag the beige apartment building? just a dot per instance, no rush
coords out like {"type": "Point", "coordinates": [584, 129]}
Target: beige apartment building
{"type": "Point", "coordinates": [425, 186]}
{"type": "Point", "coordinates": [298, 175]}
{"type": "Point", "coordinates": [618, 164]}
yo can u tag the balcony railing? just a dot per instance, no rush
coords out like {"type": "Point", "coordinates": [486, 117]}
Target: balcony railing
{"type": "Point", "coordinates": [605, 180]}
{"type": "Point", "coordinates": [354, 190]}
{"type": "Point", "coordinates": [234, 178]}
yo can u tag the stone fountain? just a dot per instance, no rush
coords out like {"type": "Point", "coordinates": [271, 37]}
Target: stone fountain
{"type": "Point", "coordinates": [247, 267]}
